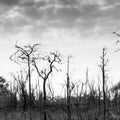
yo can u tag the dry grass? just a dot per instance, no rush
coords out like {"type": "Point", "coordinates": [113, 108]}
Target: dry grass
{"type": "Point", "coordinates": [57, 115]}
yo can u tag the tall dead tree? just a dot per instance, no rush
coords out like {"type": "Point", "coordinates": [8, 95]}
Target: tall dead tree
{"type": "Point", "coordinates": [68, 90]}
{"type": "Point", "coordinates": [51, 59]}
{"type": "Point", "coordinates": [103, 67]}
{"type": "Point", "coordinates": [25, 55]}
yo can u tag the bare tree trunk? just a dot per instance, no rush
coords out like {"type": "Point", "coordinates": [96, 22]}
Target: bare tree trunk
{"type": "Point", "coordinates": [44, 92]}
{"type": "Point", "coordinates": [104, 94]}
{"type": "Point", "coordinates": [68, 92]}
{"type": "Point", "coordinates": [25, 55]}
{"type": "Point", "coordinates": [77, 105]}
{"type": "Point", "coordinates": [99, 104]}
{"type": "Point", "coordinates": [103, 66]}
{"type": "Point", "coordinates": [99, 94]}
{"type": "Point", "coordinates": [29, 78]}
{"type": "Point", "coordinates": [44, 74]}
{"type": "Point", "coordinates": [68, 107]}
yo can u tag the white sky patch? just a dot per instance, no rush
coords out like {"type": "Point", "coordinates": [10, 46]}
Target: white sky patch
{"type": "Point", "coordinates": [62, 36]}
{"type": "Point", "coordinates": [6, 49]}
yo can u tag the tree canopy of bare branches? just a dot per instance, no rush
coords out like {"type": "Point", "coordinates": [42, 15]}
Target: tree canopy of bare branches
{"type": "Point", "coordinates": [26, 55]}
{"type": "Point", "coordinates": [51, 59]}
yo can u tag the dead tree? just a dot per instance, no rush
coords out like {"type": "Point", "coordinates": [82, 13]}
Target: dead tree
{"type": "Point", "coordinates": [68, 91]}
{"type": "Point", "coordinates": [51, 59]}
{"type": "Point", "coordinates": [103, 67]}
{"type": "Point", "coordinates": [99, 93]}
{"type": "Point", "coordinates": [25, 55]}
{"type": "Point", "coordinates": [87, 81]}
{"type": "Point", "coordinates": [115, 91]}
{"type": "Point", "coordinates": [14, 91]}
{"type": "Point", "coordinates": [79, 91]}
{"type": "Point", "coordinates": [70, 86]}
{"type": "Point", "coordinates": [21, 78]}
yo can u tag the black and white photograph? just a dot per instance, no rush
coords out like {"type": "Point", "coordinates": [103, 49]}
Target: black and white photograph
{"type": "Point", "coordinates": [59, 59]}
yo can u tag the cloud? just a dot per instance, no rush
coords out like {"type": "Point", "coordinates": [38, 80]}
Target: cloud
{"type": "Point", "coordinates": [9, 2]}
{"type": "Point", "coordinates": [83, 15]}
{"type": "Point", "coordinates": [111, 2]}
{"type": "Point", "coordinates": [33, 13]}
{"type": "Point", "coordinates": [69, 2]}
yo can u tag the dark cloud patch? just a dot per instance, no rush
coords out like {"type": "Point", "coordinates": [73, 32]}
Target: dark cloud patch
{"type": "Point", "coordinates": [112, 2]}
{"type": "Point", "coordinates": [39, 10]}
{"type": "Point", "coordinates": [32, 13]}
{"type": "Point", "coordinates": [68, 2]}
{"type": "Point", "coordinates": [90, 12]}
{"type": "Point", "coordinates": [33, 4]}
{"type": "Point", "coordinates": [14, 26]}
{"type": "Point", "coordinates": [64, 17]}
{"type": "Point", "coordinates": [3, 9]}
{"type": "Point", "coordinates": [66, 14]}
{"type": "Point", "coordinates": [10, 2]}
{"type": "Point", "coordinates": [112, 14]}
{"type": "Point", "coordinates": [50, 14]}
{"type": "Point", "coordinates": [34, 10]}
{"type": "Point", "coordinates": [86, 27]}
{"type": "Point", "coordinates": [23, 3]}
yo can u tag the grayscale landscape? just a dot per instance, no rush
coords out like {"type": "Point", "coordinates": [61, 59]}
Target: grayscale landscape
{"type": "Point", "coordinates": [59, 59]}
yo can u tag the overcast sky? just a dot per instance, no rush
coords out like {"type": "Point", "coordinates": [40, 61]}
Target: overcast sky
{"type": "Point", "coordinates": [77, 27]}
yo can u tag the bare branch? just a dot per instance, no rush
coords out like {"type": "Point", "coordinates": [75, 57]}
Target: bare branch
{"type": "Point", "coordinates": [34, 64]}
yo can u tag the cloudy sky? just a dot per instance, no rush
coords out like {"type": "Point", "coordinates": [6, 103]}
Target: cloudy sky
{"type": "Point", "coordinates": [77, 27]}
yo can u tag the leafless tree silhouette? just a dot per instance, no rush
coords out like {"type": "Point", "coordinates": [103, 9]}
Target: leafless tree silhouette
{"type": "Point", "coordinates": [25, 55]}
{"type": "Point", "coordinates": [52, 59]}
{"type": "Point", "coordinates": [103, 67]}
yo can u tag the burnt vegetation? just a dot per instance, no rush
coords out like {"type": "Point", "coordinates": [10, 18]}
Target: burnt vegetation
{"type": "Point", "coordinates": [26, 97]}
